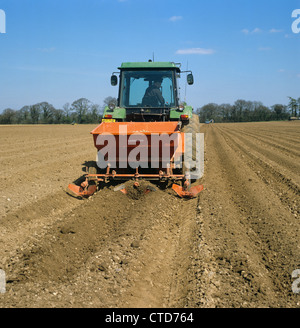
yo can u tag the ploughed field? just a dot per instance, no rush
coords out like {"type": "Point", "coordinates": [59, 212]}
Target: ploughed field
{"type": "Point", "coordinates": [235, 245]}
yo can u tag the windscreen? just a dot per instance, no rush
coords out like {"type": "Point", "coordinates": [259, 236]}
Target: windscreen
{"type": "Point", "coordinates": [147, 89]}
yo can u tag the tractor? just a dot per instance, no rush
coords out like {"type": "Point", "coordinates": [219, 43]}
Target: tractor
{"type": "Point", "coordinates": [142, 134]}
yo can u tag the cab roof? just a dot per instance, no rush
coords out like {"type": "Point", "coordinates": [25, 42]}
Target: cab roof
{"type": "Point", "coordinates": [150, 65]}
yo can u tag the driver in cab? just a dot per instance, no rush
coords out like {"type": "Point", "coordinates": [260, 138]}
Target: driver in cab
{"type": "Point", "coordinates": [153, 96]}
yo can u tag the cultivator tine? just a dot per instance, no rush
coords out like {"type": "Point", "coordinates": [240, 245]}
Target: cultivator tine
{"type": "Point", "coordinates": [84, 190]}
{"type": "Point", "coordinates": [184, 193]}
{"type": "Point", "coordinates": [74, 190]}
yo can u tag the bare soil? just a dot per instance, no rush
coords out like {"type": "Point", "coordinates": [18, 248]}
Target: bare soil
{"type": "Point", "coordinates": [235, 245]}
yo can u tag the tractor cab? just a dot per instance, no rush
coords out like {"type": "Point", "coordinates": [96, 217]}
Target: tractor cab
{"type": "Point", "coordinates": [148, 92]}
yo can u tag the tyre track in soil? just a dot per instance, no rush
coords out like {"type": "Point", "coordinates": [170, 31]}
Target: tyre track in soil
{"type": "Point", "coordinates": [112, 251]}
{"type": "Point", "coordinates": [249, 240]}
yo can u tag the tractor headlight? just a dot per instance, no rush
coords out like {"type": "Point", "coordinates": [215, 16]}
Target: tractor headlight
{"type": "Point", "coordinates": [181, 107]}
{"type": "Point", "coordinates": [111, 106]}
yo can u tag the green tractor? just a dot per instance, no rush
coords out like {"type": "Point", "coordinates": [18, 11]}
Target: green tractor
{"type": "Point", "coordinates": [148, 107]}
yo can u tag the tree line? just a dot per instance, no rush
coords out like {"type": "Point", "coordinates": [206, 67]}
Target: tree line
{"type": "Point", "coordinates": [84, 111]}
{"type": "Point", "coordinates": [248, 111]}
{"type": "Point", "coordinates": [80, 111]}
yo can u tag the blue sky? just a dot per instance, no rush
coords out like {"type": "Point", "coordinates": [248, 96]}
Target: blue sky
{"type": "Point", "coordinates": [59, 51]}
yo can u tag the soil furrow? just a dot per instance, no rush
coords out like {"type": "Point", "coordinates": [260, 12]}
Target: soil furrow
{"type": "Point", "coordinates": [286, 165]}
{"type": "Point", "coordinates": [287, 191]}
{"type": "Point", "coordinates": [273, 221]}
{"type": "Point", "coordinates": [280, 146]}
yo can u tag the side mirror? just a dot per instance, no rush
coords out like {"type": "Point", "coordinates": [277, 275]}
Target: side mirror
{"type": "Point", "coordinates": [113, 80]}
{"type": "Point", "coordinates": [190, 79]}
